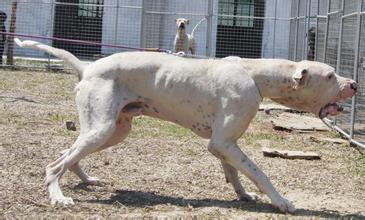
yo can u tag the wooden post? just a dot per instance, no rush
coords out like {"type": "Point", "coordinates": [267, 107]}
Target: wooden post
{"type": "Point", "coordinates": [10, 53]}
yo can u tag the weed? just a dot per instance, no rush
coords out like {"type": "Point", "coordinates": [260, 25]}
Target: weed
{"type": "Point", "coordinates": [151, 127]}
{"type": "Point", "coordinates": [360, 165]}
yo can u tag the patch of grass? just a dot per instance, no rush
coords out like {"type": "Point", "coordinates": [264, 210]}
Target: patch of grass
{"type": "Point", "coordinates": [151, 127]}
{"type": "Point", "coordinates": [360, 165]}
{"type": "Point", "coordinates": [251, 138]}
{"type": "Point", "coordinates": [4, 85]}
{"type": "Point", "coordinates": [34, 63]}
{"type": "Point", "coordinates": [57, 117]}
{"type": "Point", "coordinates": [335, 134]}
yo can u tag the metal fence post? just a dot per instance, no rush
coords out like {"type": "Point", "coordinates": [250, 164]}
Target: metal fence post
{"type": "Point", "coordinates": [274, 37]}
{"type": "Point", "coordinates": [356, 65]}
{"type": "Point", "coordinates": [317, 28]}
{"type": "Point", "coordinates": [143, 12]}
{"type": "Point", "coordinates": [305, 33]}
{"type": "Point", "coordinates": [51, 33]}
{"type": "Point", "coordinates": [339, 46]}
{"type": "Point", "coordinates": [296, 31]}
{"type": "Point", "coordinates": [326, 33]}
{"type": "Point", "coordinates": [116, 23]}
{"type": "Point", "coordinates": [208, 51]}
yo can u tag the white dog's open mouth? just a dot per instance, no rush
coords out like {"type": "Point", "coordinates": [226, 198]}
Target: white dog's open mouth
{"type": "Point", "coordinates": [331, 109]}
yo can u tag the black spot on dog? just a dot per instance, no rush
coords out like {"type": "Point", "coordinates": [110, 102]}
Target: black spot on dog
{"type": "Point", "coordinates": [146, 106]}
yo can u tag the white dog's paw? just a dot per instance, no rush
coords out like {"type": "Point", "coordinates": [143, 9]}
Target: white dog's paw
{"type": "Point", "coordinates": [248, 196]}
{"type": "Point", "coordinates": [284, 205]}
{"type": "Point", "coordinates": [94, 181]}
{"type": "Point", "coordinates": [62, 201]}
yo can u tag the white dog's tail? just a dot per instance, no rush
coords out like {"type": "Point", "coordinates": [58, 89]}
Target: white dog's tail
{"type": "Point", "coordinates": [62, 54]}
{"type": "Point", "coordinates": [192, 32]}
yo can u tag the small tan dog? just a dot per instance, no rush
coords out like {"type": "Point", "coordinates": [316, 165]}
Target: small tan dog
{"type": "Point", "coordinates": [184, 42]}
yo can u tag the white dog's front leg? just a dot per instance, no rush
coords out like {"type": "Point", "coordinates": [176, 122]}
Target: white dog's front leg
{"type": "Point", "coordinates": [231, 154]}
{"type": "Point", "coordinates": [231, 175]}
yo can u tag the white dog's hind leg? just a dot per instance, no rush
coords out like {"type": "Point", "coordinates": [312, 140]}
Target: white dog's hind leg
{"type": "Point", "coordinates": [84, 176]}
{"type": "Point", "coordinates": [97, 124]}
{"type": "Point", "coordinates": [76, 169]}
{"type": "Point", "coordinates": [231, 175]}
{"type": "Point", "coordinates": [84, 145]}
{"type": "Point", "coordinates": [123, 127]}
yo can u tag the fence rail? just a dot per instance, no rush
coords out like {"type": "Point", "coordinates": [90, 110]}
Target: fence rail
{"type": "Point", "coordinates": [330, 31]}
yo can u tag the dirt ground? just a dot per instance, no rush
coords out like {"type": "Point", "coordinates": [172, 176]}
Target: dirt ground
{"type": "Point", "coordinates": [160, 171]}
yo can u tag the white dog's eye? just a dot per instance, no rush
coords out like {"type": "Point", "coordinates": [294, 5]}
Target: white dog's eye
{"type": "Point", "coordinates": [330, 76]}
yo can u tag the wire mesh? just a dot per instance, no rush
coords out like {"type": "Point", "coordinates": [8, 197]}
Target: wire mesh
{"type": "Point", "coordinates": [247, 28]}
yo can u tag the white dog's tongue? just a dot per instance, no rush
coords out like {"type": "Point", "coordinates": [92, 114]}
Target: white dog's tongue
{"type": "Point", "coordinates": [330, 109]}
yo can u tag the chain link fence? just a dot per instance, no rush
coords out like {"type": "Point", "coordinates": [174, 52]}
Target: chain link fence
{"type": "Point", "coordinates": [330, 31]}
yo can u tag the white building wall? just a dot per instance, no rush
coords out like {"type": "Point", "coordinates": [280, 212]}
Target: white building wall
{"type": "Point", "coordinates": [279, 48]}
{"type": "Point", "coordinates": [121, 26]}
{"type": "Point", "coordinates": [31, 20]}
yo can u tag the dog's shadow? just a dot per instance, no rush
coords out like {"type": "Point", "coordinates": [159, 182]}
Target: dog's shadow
{"type": "Point", "coordinates": [141, 199]}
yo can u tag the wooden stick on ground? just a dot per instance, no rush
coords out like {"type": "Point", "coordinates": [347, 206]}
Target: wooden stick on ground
{"type": "Point", "coordinates": [268, 152]}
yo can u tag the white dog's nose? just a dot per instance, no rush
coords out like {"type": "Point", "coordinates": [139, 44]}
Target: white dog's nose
{"type": "Point", "coordinates": [354, 86]}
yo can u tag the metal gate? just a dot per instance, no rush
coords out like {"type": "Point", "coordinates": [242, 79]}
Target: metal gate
{"type": "Point", "coordinates": [238, 32]}
{"type": "Point", "coordinates": [79, 20]}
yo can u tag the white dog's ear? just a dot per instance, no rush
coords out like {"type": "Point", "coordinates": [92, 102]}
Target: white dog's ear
{"type": "Point", "coordinates": [188, 21]}
{"type": "Point", "coordinates": [300, 78]}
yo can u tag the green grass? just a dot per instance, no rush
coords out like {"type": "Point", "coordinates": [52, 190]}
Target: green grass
{"type": "Point", "coordinates": [360, 165]}
{"type": "Point", "coordinates": [34, 63]}
{"type": "Point", "coordinates": [151, 127]}
{"type": "Point", "coordinates": [251, 138]}
{"type": "Point", "coordinates": [4, 85]}
{"type": "Point", "coordinates": [57, 117]}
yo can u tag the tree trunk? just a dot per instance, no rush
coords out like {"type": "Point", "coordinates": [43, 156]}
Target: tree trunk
{"type": "Point", "coordinates": [10, 53]}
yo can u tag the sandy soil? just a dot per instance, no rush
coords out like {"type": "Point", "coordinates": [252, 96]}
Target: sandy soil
{"type": "Point", "coordinates": [161, 170]}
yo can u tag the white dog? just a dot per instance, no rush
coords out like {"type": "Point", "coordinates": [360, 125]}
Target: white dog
{"type": "Point", "coordinates": [184, 42]}
{"type": "Point", "coordinates": [216, 99]}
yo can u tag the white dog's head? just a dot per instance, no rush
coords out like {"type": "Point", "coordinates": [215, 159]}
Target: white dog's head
{"type": "Point", "coordinates": [315, 87]}
{"type": "Point", "coordinates": [181, 23]}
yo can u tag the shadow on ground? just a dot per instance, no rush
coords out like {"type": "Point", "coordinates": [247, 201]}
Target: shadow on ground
{"type": "Point", "coordinates": [140, 199]}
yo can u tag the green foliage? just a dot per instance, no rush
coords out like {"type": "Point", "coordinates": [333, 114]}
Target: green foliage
{"type": "Point", "coordinates": [151, 127]}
